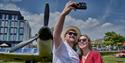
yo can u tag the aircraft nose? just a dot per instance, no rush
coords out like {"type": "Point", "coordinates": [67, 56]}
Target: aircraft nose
{"type": "Point", "coordinates": [45, 33]}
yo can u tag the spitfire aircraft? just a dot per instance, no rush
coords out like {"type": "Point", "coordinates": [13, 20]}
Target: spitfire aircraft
{"type": "Point", "coordinates": [44, 43]}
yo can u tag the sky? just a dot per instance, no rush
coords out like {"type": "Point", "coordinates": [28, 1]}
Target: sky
{"type": "Point", "coordinates": [101, 16]}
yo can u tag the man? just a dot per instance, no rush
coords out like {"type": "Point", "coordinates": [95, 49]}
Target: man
{"type": "Point", "coordinates": [63, 42]}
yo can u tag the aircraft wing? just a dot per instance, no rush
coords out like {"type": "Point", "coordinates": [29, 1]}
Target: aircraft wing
{"type": "Point", "coordinates": [23, 57]}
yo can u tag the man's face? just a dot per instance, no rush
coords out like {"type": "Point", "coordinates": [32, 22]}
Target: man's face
{"type": "Point", "coordinates": [71, 36]}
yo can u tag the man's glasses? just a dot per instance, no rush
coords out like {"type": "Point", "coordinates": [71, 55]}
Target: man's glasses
{"type": "Point", "coordinates": [72, 33]}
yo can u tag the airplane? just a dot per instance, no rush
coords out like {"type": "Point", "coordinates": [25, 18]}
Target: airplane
{"type": "Point", "coordinates": [44, 44]}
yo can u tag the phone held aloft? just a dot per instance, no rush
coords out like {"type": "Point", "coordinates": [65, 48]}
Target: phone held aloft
{"type": "Point", "coordinates": [80, 5]}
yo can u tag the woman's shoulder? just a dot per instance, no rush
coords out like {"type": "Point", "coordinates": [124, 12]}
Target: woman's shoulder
{"type": "Point", "coordinates": [95, 54]}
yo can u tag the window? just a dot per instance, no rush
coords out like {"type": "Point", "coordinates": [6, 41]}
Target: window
{"type": "Point", "coordinates": [16, 17]}
{"type": "Point", "coordinates": [2, 30]}
{"type": "Point", "coordinates": [2, 23]}
{"type": "Point", "coordinates": [7, 17]}
{"type": "Point", "coordinates": [12, 24]}
{"type": "Point", "coordinates": [14, 37]}
{"type": "Point", "coordinates": [13, 30]}
{"type": "Point", "coordinates": [21, 24]}
{"type": "Point", "coordinates": [0, 16]}
{"type": "Point", "coordinates": [1, 37]}
{"type": "Point", "coordinates": [15, 23]}
{"type": "Point", "coordinates": [3, 16]}
{"type": "Point", "coordinates": [21, 30]}
{"type": "Point", "coordinates": [10, 17]}
{"type": "Point", "coordinates": [11, 37]}
{"type": "Point", "coordinates": [6, 24]}
{"type": "Point", "coordinates": [5, 30]}
{"type": "Point", "coordinates": [13, 17]}
{"type": "Point", "coordinates": [21, 37]}
{"type": "Point", "coordinates": [5, 37]}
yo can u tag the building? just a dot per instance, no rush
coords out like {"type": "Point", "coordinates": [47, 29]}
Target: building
{"type": "Point", "coordinates": [13, 27]}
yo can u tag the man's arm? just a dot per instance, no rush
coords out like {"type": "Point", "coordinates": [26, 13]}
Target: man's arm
{"type": "Point", "coordinates": [60, 22]}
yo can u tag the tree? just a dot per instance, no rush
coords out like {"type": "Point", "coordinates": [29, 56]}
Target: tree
{"type": "Point", "coordinates": [112, 38]}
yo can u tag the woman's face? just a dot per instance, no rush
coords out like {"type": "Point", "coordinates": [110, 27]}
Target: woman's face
{"type": "Point", "coordinates": [83, 42]}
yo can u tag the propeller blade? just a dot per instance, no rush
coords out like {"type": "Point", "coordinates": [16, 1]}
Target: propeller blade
{"type": "Point", "coordinates": [22, 44]}
{"type": "Point", "coordinates": [46, 14]}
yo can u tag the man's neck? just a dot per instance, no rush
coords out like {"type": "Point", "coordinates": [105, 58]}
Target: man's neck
{"type": "Point", "coordinates": [70, 44]}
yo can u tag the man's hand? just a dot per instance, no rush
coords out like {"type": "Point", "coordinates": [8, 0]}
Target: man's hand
{"type": "Point", "coordinates": [68, 7]}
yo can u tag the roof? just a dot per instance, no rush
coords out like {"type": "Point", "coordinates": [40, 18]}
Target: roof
{"type": "Point", "coordinates": [10, 12]}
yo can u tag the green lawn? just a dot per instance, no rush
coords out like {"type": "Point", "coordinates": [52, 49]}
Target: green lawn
{"type": "Point", "coordinates": [112, 59]}
{"type": "Point", "coordinates": [10, 62]}
{"type": "Point", "coordinates": [106, 59]}
{"type": "Point", "coordinates": [18, 62]}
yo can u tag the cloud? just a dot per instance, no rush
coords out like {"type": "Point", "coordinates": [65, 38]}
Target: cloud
{"type": "Point", "coordinates": [105, 25]}
{"type": "Point", "coordinates": [9, 6]}
{"type": "Point", "coordinates": [16, 0]}
{"type": "Point", "coordinates": [92, 26]}
{"type": "Point", "coordinates": [12, 0]}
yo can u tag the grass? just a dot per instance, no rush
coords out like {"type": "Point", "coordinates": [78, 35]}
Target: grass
{"type": "Point", "coordinates": [11, 62]}
{"type": "Point", "coordinates": [113, 59]}
{"type": "Point", "coordinates": [18, 62]}
{"type": "Point", "coordinates": [106, 59]}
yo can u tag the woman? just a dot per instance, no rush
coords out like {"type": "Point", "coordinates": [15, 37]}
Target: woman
{"type": "Point", "coordinates": [87, 54]}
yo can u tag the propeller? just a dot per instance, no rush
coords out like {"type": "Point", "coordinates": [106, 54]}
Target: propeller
{"type": "Point", "coordinates": [46, 15]}
{"type": "Point", "coordinates": [44, 33]}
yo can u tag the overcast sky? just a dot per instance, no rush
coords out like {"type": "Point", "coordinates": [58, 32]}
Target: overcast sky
{"type": "Point", "coordinates": [101, 15]}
